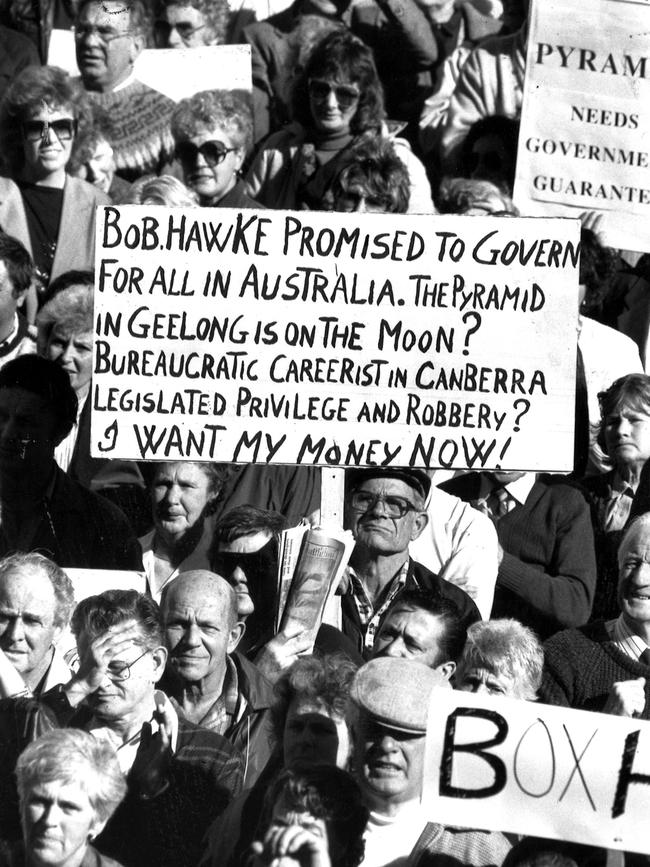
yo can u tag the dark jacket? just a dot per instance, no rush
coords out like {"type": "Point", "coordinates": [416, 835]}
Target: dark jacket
{"type": "Point", "coordinates": [418, 577]}
{"type": "Point", "coordinates": [239, 198]}
{"type": "Point", "coordinates": [204, 775]}
{"type": "Point", "coordinates": [81, 530]}
{"type": "Point", "coordinates": [547, 577]}
{"type": "Point", "coordinates": [252, 735]}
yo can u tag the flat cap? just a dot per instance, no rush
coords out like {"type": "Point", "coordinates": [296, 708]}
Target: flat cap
{"type": "Point", "coordinates": [396, 692]}
{"type": "Point", "coordinates": [416, 479]}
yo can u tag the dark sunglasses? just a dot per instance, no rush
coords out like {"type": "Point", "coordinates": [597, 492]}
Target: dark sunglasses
{"type": "Point", "coordinates": [36, 130]}
{"type": "Point", "coordinates": [162, 31]}
{"type": "Point", "coordinates": [346, 94]}
{"type": "Point", "coordinates": [213, 152]}
{"type": "Point", "coordinates": [257, 565]}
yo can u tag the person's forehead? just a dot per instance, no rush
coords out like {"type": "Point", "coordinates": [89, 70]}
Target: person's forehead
{"type": "Point", "coordinates": [177, 13]}
{"type": "Point", "coordinates": [406, 617]}
{"type": "Point", "coordinates": [199, 603]}
{"type": "Point", "coordinates": [487, 675]}
{"type": "Point", "coordinates": [182, 472]}
{"type": "Point", "coordinates": [303, 705]}
{"type": "Point", "coordinates": [61, 791]}
{"type": "Point", "coordinates": [215, 133]}
{"type": "Point", "coordinates": [29, 588]}
{"type": "Point", "coordinates": [51, 114]}
{"type": "Point", "coordinates": [387, 486]}
{"type": "Point", "coordinates": [637, 542]}
{"type": "Point", "coordinates": [246, 544]}
{"type": "Point", "coordinates": [108, 13]}
{"type": "Point", "coordinates": [24, 402]}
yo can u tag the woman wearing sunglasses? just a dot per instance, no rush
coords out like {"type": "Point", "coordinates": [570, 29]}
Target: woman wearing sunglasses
{"type": "Point", "coordinates": [213, 131]}
{"type": "Point", "coordinates": [51, 213]}
{"type": "Point", "coordinates": [337, 103]}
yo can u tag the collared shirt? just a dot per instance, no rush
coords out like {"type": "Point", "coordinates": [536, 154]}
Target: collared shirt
{"type": "Point", "coordinates": [625, 640]}
{"type": "Point", "coordinates": [127, 750]}
{"type": "Point", "coordinates": [367, 615]}
{"type": "Point", "coordinates": [229, 707]}
{"type": "Point", "coordinates": [519, 489]}
{"type": "Point", "coordinates": [615, 510]}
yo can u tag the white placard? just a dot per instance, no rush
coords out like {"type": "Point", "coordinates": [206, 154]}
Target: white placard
{"type": "Point", "coordinates": [584, 142]}
{"type": "Point", "coordinates": [335, 339]}
{"type": "Point", "coordinates": [526, 768]}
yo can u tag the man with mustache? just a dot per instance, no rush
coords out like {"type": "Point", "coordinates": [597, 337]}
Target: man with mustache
{"type": "Point", "coordinates": [605, 665]}
{"type": "Point", "coordinates": [393, 698]}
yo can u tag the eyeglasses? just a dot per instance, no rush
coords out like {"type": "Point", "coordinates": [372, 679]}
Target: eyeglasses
{"type": "Point", "coordinates": [37, 130]}
{"type": "Point", "coordinates": [163, 30]}
{"type": "Point", "coordinates": [213, 152]}
{"type": "Point", "coordinates": [346, 94]}
{"type": "Point", "coordinates": [104, 34]}
{"type": "Point", "coordinates": [122, 670]}
{"type": "Point", "coordinates": [394, 507]}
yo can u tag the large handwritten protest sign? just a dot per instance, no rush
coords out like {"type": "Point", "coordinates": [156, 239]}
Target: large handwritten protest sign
{"type": "Point", "coordinates": [528, 768]}
{"type": "Point", "coordinates": [584, 142]}
{"type": "Point", "coordinates": [338, 339]}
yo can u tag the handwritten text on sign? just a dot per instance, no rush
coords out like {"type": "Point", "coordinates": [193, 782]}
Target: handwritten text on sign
{"type": "Point", "coordinates": [336, 339]}
{"type": "Point", "coordinates": [528, 768]}
{"type": "Point", "coordinates": [585, 141]}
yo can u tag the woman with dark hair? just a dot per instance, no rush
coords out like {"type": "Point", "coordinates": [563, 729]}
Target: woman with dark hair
{"type": "Point", "coordinates": [51, 213]}
{"type": "Point", "coordinates": [624, 438]}
{"type": "Point", "coordinates": [213, 132]}
{"type": "Point", "coordinates": [338, 101]}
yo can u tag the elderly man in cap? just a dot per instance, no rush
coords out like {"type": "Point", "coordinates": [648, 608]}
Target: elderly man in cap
{"type": "Point", "coordinates": [392, 737]}
{"type": "Point", "coordinates": [212, 685]}
{"type": "Point", "coordinates": [385, 509]}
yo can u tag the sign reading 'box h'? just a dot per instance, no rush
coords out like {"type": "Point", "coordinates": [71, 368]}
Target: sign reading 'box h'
{"type": "Point", "coordinates": [341, 339]}
{"type": "Point", "coordinates": [533, 769]}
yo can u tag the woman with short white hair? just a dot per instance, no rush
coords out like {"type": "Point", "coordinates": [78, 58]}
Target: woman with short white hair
{"type": "Point", "coordinates": [69, 785]}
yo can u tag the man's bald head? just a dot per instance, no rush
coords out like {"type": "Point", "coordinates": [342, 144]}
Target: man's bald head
{"type": "Point", "coordinates": [199, 613]}
{"type": "Point", "coordinates": [201, 585]}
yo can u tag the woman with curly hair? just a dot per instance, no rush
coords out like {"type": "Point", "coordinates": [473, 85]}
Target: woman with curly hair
{"type": "Point", "coordinates": [51, 213]}
{"type": "Point", "coordinates": [338, 101]}
{"type": "Point", "coordinates": [213, 131]}
{"type": "Point", "coordinates": [313, 725]}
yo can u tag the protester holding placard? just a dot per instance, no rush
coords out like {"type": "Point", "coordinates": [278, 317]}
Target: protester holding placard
{"type": "Point", "coordinates": [337, 100]}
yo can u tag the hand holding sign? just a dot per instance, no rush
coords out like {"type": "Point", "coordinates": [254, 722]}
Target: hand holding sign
{"type": "Point", "coordinates": [626, 698]}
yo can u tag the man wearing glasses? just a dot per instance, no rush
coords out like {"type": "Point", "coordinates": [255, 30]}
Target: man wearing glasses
{"type": "Point", "coordinates": [180, 776]}
{"type": "Point", "coordinates": [385, 509]}
{"type": "Point", "coordinates": [109, 37]}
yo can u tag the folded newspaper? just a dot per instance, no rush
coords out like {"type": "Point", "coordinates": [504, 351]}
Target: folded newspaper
{"type": "Point", "coordinates": [311, 565]}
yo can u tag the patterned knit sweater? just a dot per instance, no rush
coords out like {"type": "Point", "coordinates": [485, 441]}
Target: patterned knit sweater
{"type": "Point", "coordinates": [582, 664]}
{"type": "Point", "coordinates": [141, 137]}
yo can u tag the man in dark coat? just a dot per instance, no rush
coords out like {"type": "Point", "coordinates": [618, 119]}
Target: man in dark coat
{"type": "Point", "coordinates": [42, 508]}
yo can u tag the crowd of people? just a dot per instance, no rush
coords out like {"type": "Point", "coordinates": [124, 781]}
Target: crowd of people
{"type": "Point", "coordinates": [187, 728]}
